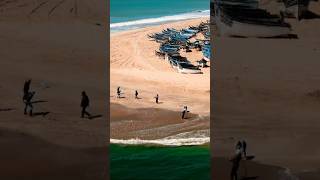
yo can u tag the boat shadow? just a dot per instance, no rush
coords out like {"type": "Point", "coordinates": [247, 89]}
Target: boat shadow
{"type": "Point", "coordinates": [310, 15]}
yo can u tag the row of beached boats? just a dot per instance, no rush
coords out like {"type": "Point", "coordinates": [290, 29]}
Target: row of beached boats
{"type": "Point", "coordinates": [244, 18]}
{"type": "Point", "coordinates": [172, 41]}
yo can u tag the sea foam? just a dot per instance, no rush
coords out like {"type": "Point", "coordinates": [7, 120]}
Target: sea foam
{"type": "Point", "coordinates": [182, 139]}
{"type": "Point", "coordinates": [155, 21]}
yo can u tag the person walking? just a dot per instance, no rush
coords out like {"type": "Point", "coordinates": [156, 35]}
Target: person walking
{"type": "Point", "coordinates": [244, 148]}
{"type": "Point", "coordinates": [26, 87]}
{"type": "Point", "coordinates": [28, 104]}
{"type": "Point", "coordinates": [235, 160]}
{"type": "Point", "coordinates": [84, 105]}
{"type": "Point", "coordinates": [184, 112]}
{"type": "Point", "coordinates": [136, 94]}
{"type": "Point", "coordinates": [157, 98]}
{"type": "Point", "coordinates": [118, 92]}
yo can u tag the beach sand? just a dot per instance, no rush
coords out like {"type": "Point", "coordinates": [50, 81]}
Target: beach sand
{"type": "Point", "coordinates": [266, 92]}
{"type": "Point", "coordinates": [61, 46]}
{"type": "Point", "coordinates": [134, 66]}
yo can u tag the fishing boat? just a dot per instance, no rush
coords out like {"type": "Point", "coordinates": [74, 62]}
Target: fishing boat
{"type": "Point", "coordinates": [295, 8]}
{"type": "Point", "coordinates": [182, 65]}
{"type": "Point", "coordinates": [246, 20]}
{"type": "Point", "coordinates": [187, 68]}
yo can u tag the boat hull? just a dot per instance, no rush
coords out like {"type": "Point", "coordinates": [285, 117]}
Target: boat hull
{"type": "Point", "coordinates": [250, 30]}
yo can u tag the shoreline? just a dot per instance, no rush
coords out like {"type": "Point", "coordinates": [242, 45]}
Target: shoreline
{"type": "Point", "coordinates": [152, 26]}
{"type": "Point", "coordinates": [157, 21]}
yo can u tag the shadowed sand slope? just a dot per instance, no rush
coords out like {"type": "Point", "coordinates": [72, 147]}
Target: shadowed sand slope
{"type": "Point", "coordinates": [62, 59]}
{"type": "Point", "coordinates": [42, 160]}
{"type": "Point", "coordinates": [52, 9]}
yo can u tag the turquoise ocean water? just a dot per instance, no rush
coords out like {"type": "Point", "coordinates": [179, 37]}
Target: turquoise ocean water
{"type": "Point", "coordinates": [159, 163]}
{"type": "Point", "coordinates": [131, 14]}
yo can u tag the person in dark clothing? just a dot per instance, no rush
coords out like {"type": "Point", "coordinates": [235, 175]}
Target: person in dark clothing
{"type": "Point", "coordinates": [244, 148]}
{"type": "Point", "coordinates": [157, 98]}
{"type": "Point", "coordinates": [184, 112]}
{"type": "Point", "coordinates": [118, 92]}
{"type": "Point", "coordinates": [235, 165]}
{"type": "Point", "coordinates": [26, 88]}
{"type": "Point", "coordinates": [84, 105]}
{"type": "Point", "coordinates": [27, 101]}
{"type": "Point", "coordinates": [136, 94]}
{"type": "Point", "coordinates": [239, 145]}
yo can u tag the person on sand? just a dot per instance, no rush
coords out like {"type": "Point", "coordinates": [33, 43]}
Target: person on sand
{"type": "Point", "coordinates": [242, 145]}
{"type": "Point", "coordinates": [136, 94]}
{"type": "Point", "coordinates": [27, 101]}
{"type": "Point", "coordinates": [235, 160]}
{"type": "Point", "coordinates": [157, 98]}
{"type": "Point", "coordinates": [244, 148]}
{"type": "Point", "coordinates": [118, 92]}
{"type": "Point", "coordinates": [184, 112]}
{"type": "Point", "coordinates": [26, 87]}
{"type": "Point", "coordinates": [84, 105]}
{"type": "Point", "coordinates": [239, 145]}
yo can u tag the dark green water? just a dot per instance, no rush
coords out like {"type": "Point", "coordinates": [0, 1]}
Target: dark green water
{"type": "Point", "coordinates": [159, 163]}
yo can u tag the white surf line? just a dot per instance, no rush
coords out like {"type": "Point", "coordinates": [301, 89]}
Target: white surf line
{"type": "Point", "coordinates": [165, 142]}
{"type": "Point", "coordinates": [149, 21]}
{"type": "Point", "coordinates": [176, 140]}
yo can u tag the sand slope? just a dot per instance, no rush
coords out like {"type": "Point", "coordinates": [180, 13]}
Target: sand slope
{"type": "Point", "coordinates": [63, 55]}
{"type": "Point", "coordinates": [266, 93]}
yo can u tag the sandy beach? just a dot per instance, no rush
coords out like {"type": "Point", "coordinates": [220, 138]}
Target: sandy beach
{"type": "Point", "coordinates": [134, 66]}
{"type": "Point", "coordinates": [266, 92]}
{"type": "Point", "coordinates": [60, 45]}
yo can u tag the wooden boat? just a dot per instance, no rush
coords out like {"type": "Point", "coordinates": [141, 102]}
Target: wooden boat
{"type": "Point", "coordinates": [248, 21]}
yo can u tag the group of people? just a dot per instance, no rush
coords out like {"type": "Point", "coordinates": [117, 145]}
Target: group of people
{"type": "Point", "coordinates": [240, 152]}
{"type": "Point", "coordinates": [183, 113]}
{"type": "Point", "coordinates": [135, 95]}
{"type": "Point", "coordinates": [28, 95]}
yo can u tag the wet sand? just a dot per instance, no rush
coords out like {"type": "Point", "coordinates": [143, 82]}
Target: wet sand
{"type": "Point", "coordinates": [152, 123]}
